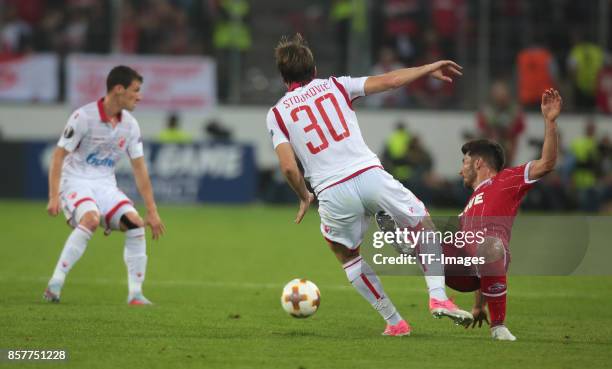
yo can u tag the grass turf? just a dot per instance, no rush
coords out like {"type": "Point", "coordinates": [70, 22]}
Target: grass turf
{"type": "Point", "coordinates": [216, 278]}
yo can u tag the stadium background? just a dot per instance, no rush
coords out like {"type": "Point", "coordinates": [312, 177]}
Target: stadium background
{"type": "Point", "coordinates": [230, 246]}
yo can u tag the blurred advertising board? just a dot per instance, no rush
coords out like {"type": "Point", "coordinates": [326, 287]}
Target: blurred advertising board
{"type": "Point", "coordinates": [29, 78]}
{"type": "Point", "coordinates": [202, 172]}
{"type": "Point", "coordinates": [170, 82]}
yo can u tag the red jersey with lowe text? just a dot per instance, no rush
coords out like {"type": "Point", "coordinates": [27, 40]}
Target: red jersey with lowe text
{"type": "Point", "coordinates": [495, 202]}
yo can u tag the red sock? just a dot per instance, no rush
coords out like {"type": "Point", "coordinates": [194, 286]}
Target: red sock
{"type": "Point", "coordinates": [493, 289]}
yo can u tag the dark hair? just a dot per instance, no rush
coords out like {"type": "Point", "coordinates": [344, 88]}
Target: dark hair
{"type": "Point", "coordinates": [490, 151]}
{"type": "Point", "coordinates": [121, 75]}
{"type": "Point", "coordinates": [294, 59]}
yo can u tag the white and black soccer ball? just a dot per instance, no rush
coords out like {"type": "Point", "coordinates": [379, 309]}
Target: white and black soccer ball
{"type": "Point", "coordinates": [301, 298]}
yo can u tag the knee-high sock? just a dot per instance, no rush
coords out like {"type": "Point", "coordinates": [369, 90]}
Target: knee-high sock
{"type": "Point", "coordinates": [429, 254]}
{"type": "Point", "coordinates": [494, 290]}
{"type": "Point", "coordinates": [135, 257]}
{"type": "Point", "coordinates": [493, 285]}
{"type": "Point", "coordinates": [365, 281]}
{"type": "Point", "coordinates": [73, 250]}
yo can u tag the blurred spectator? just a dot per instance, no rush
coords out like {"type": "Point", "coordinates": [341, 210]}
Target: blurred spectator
{"type": "Point", "coordinates": [429, 92]}
{"type": "Point", "coordinates": [585, 167]}
{"type": "Point", "coordinates": [15, 34]}
{"type": "Point", "coordinates": [584, 62]}
{"type": "Point", "coordinates": [403, 24]}
{"type": "Point", "coordinates": [231, 30]}
{"type": "Point", "coordinates": [537, 71]}
{"type": "Point", "coordinates": [74, 35]}
{"type": "Point", "coordinates": [341, 14]}
{"type": "Point", "coordinates": [215, 131]}
{"type": "Point", "coordinates": [605, 182]}
{"type": "Point", "coordinates": [387, 61]}
{"type": "Point", "coordinates": [447, 17]}
{"type": "Point", "coordinates": [502, 119]}
{"type": "Point", "coordinates": [129, 36]}
{"type": "Point", "coordinates": [173, 134]}
{"type": "Point", "coordinates": [604, 87]}
{"type": "Point", "coordinates": [395, 155]}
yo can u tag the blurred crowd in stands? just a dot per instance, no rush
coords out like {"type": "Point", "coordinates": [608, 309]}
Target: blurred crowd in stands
{"type": "Point", "coordinates": [533, 45]}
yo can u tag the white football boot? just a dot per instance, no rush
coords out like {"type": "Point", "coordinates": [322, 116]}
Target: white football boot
{"type": "Point", "coordinates": [501, 333]}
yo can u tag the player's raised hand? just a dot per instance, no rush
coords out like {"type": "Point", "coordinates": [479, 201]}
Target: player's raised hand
{"type": "Point", "coordinates": [444, 70]}
{"type": "Point", "coordinates": [53, 207]}
{"type": "Point", "coordinates": [157, 227]}
{"type": "Point", "coordinates": [304, 205]}
{"type": "Point", "coordinates": [551, 104]}
{"type": "Point", "coordinates": [480, 315]}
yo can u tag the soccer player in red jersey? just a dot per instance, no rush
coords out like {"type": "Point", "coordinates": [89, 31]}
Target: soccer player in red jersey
{"type": "Point", "coordinates": [491, 209]}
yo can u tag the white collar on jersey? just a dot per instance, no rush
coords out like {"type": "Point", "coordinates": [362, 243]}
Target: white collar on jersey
{"type": "Point", "coordinates": [488, 180]}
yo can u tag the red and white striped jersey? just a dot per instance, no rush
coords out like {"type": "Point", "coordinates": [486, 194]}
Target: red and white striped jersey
{"type": "Point", "coordinates": [96, 146]}
{"type": "Point", "coordinates": [319, 122]}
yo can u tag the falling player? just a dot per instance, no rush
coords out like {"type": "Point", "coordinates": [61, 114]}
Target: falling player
{"type": "Point", "coordinates": [492, 207]}
{"type": "Point", "coordinates": [82, 181]}
{"type": "Point", "coordinates": [315, 121]}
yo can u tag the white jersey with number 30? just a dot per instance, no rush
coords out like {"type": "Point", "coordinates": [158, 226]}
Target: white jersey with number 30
{"type": "Point", "coordinates": [319, 122]}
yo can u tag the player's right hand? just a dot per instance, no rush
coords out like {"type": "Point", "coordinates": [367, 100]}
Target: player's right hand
{"type": "Point", "coordinates": [480, 315]}
{"type": "Point", "coordinates": [157, 226]}
{"type": "Point", "coordinates": [53, 207]}
{"type": "Point", "coordinates": [443, 68]}
{"type": "Point", "coordinates": [304, 205]}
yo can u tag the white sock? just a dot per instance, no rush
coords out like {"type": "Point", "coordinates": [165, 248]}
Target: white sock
{"type": "Point", "coordinates": [135, 257]}
{"type": "Point", "coordinates": [73, 250]}
{"type": "Point", "coordinates": [365, 281]}
{"type": "Point", "coordinates": [434, 271]}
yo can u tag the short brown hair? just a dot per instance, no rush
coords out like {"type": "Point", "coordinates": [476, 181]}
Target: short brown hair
{"type": "Point", "coordinates": [490, 151]}
{"type": "Point", "coordinates": [294, 59]}
{"type": "Point", "coordinates": [121, 75]}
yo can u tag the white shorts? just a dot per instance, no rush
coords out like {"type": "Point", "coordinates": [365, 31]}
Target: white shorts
{"type": "Point", "coordinates": [347, 207]}
{"type": "Point", "coordinates": [81, 196]}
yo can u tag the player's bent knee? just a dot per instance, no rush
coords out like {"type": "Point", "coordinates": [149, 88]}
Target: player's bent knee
{"type": "Point", "coordinates": [131, 221]}
{"type": "Point", "coordinates": [463, 283]}
{"type": "Point", "coordinates": [90, 220]}
{"type": "Point", "coordinates": [492, 250]}
{"type": "Point", "coordinates": [343, 253]}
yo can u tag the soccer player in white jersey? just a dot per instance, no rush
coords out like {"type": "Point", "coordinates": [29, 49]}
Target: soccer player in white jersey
{"type": "Point", "coordinates": [82, 181]}
{"type": "Point", "coordinates": [316, 123]}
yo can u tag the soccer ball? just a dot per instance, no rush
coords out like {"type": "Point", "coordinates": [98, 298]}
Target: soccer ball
{"type": "Point", "coordinates": [301, 298]}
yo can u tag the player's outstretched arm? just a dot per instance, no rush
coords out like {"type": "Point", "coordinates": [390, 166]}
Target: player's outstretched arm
{"type": "Point", "coordinates": [290, 170]}
{"type": "Point", "coordinates": [55, 174]}
{"type": "Point", "coordinates": [551, 108]}
{"type": "Point", "coordinates": [442, 70]}
{"type": "Point", "coordinates": [143, 183]}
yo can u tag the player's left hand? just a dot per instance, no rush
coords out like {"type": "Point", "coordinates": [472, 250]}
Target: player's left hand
{"type": "Point", "coordinates": [444, 69]}
{"type": "Point", "coordinates": [480, 315]}
{"type": "Point", "coordinates": [304, 205]}
{"type": "Point", "coordinates": [551, 104]}
{"type": "Point", "coordinates": [157, 227]}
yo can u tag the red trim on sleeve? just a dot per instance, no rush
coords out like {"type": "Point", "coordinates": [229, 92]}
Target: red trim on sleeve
{"type": "Point", "coordinates": [281, 124]}
{"type": "Point", "coordinates": [369, 285]}
{"type": "Point", "coordinates": [112, 212]}
{"type": "Point", "coordinates": [343, 91]}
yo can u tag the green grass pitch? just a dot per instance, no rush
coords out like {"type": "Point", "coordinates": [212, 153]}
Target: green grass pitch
{"type": "Point", "coordinates": [216, 279]}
